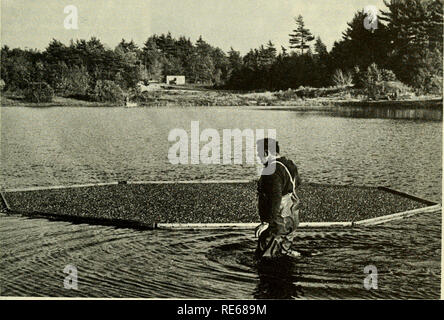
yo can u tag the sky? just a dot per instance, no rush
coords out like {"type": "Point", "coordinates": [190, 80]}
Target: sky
{"type": "Point", "coordinates": [241, 24]}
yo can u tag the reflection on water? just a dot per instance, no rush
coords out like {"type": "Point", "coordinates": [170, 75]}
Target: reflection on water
{"type": "Point", "coordinates": [389, 113]}
{"type": "Point", "coordinates": [63, 146]}
{"type": "Point", "coordinates": [432, 112]}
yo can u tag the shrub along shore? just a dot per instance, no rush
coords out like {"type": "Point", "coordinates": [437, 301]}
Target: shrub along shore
{"type": "Point", "coordinates": [177, 96]}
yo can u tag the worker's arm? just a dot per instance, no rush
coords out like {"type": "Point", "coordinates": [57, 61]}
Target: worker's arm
{"type": "Point", "coordinates": [272, 196]}
{"type": "Point", "coordinates": [298, 178]}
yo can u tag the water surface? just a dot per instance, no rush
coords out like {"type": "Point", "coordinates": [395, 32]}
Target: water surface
{"type": "Point", "coordinates": [58, 146]}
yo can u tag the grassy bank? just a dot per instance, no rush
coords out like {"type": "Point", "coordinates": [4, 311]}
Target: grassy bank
{"type": "Point", "coordinates": [304, 98]}
{"type": "Point", "coordinates": [10, 100]}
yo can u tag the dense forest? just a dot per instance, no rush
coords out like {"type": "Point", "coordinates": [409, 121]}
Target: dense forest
{"type": "Point", "coordinates": [405, 49]}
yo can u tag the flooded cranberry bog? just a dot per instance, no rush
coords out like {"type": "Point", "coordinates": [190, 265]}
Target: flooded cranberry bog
{"type": "Point", "coordinates": [197, 240]}
{"type": "Point", "coordinates": [208, 204]}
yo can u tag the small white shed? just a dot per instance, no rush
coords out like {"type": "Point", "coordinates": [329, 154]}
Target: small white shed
{"type": "Point", "coordinates": [175, 80]}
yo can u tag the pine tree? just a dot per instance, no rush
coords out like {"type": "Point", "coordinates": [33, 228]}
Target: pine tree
{"type": "Point", "coordinates": [235, 59]}
{"type": "Point", "coordinates": [152, 58]}
{"type": "Point", "coordinates": [200, 65]}
{"type": "Point", "coordinates": [166, 44]}
{"type": "Point", "coordinates": [266, 55]}
{"type": "Point", "coordinates": [360, 46]}
{"type": "Point", "coordinates": [301, 37]}
{"type": "Point", "coordinates": [415, 33]}
{"type": "Point", "coordinates": [271, 53]}
{"type": "Point", "coordinates": [414, 23]}
{"type": "Point", "coordinates": [126, 46]}
{"type": "Point", "coordinates": [284, 51]}
{"type": "Point", "coordinates": [320, 48]}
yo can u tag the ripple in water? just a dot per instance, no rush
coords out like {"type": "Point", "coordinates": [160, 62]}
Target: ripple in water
{"type": "Point", "coordinates": [81, 145]}
{"type": "Point", "coordinates": [162, 264]}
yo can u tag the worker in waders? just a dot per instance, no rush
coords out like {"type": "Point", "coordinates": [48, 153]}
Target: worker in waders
{"type": "Point", "coordinates": [278, 203]}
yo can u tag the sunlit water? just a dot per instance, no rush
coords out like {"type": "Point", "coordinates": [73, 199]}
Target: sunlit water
{"type": "Point", "coordinates": [77, 145]}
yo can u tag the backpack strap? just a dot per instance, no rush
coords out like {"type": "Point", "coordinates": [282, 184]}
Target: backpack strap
{"type": "Point", "coordinates": [293, 181]}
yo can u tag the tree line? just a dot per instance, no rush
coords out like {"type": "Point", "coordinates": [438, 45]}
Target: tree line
{"type": "Point", "coordinates": [406, 46]}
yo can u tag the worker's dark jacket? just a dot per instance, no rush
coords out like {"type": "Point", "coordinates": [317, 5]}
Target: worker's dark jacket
{"type": "Point", "coordinates": [272, 187]}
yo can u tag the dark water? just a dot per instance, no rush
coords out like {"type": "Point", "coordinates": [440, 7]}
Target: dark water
{"type": "Point", "coordinates": [377, 112]}
{"type": "Point", "coordinates": [391, 113]}
{"type": "Point", "coordinates": [65, 146]}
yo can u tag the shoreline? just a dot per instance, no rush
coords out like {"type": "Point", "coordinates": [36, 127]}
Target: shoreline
{"type": "Point", "coordinates": [218, 98]}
